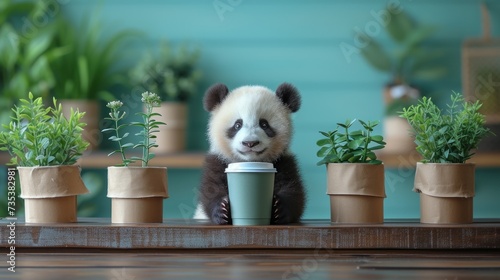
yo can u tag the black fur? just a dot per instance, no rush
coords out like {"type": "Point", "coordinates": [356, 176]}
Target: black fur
{"type": "Point", "coordinates": [289, 194]}
{"type": "Point", "coordinates": [267, 128]}
{"type": "Point", "coordinates": [214, 96]}
{"type": "Point", "coordinates": [289, 95]}
{"type": "Point", "coordinates": [231, 132]}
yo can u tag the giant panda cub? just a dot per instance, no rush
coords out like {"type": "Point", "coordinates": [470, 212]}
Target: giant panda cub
{"type": "Point", "coordinates": [251, 123]}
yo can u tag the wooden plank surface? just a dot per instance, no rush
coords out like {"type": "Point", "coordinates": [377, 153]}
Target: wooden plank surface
{"type": "Point", "coordinates": [310, 234]}
{"type": "Point", "coordinates": [228, 265]}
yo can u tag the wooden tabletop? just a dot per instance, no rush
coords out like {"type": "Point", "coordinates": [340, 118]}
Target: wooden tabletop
{"type": "Point", "coordinates": [197, 234]}
{"type": "Point", "coordinates": [94, 248]}
{"type": "Point", "coordinates": [257, 265]}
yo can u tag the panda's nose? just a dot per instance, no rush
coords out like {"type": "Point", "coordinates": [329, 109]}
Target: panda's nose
{"type": "Point", "coordinates": [250, 144]}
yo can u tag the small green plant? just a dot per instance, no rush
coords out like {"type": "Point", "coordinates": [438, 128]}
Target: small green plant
{"type": "Point", "coordinates": [148, 126]}
{"type": "Point", "coordinates": [42, 136]}
{"type": "Point", "coordinates": [449, 138]}
{"type": "Point", "coordinates": [345, 146]}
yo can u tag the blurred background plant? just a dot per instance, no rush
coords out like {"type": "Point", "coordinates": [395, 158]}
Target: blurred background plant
{"type": "Point", "coordinates": [172, 73]}
{"type": "Point", "coordinates": [411, 60]}
{"type": "Point", "coordinates": [26, 52]}
{"type": "Point", "coordinates": [92, 67]}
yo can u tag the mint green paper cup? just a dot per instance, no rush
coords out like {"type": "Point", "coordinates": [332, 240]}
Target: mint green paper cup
{"type": "Point", "coordinates": [251, 186]}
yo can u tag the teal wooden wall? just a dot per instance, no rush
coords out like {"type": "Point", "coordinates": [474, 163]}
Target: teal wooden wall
{"type": "Point", "coordinates": [269, 42]}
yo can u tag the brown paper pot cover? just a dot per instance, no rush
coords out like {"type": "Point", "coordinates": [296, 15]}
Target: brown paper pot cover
{"type": "Point", "coordinates": [137, 194]}
{"type": "Point", "coordinates": [171, 137]}
{"type": "Point", "coordinates": [137, 210]}
{"type": "Point", "coordinates": [50, 193]}
{"type": "Point", "coordinates": [446, 192]}
{"type": "Point", "coordinates": [356, 192]}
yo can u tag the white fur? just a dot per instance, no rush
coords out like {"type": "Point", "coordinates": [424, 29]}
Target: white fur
{"type": "Point", "coordinates": [250, 103]}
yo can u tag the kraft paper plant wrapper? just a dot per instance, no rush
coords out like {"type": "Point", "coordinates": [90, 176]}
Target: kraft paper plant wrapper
{"type": "Point", "coordinates": [137, 194]}
{"type": "Point", "coordinates": [137, 182]}
{"type": "Point", "coordinates": [445, 180]}
{"type": "Point", "coordinates": [445, 210]}
{"type": "Point", "coordinates": [137, 210]}
{"type": "Point", "coordinates": [50, 193]}
{"type": "Point", "coordinates": [356, 192]}
{"type": "Point", "coordinates": [369, 179]}
{"type": "Point", "coordinates": [50, 210]}
{"type": "Point", "coordinates": [446, 192]}
{"type": "Point", "coordinates": [51, 181]}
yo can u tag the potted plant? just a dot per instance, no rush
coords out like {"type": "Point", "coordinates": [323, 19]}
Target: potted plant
{"type": "Point", "coordinates": [45, 146]}
{"type": "Point", "coordinates": [410, 62]}
{"type": "Point", "coordinates": [88, 71]}
{"type": "Point", "coordinates": [25, 55]}
{"type": "Point", "coordinates": [446, 141]}
{"type": "Point", "coordinates": [173, 75]}
{"type": "Point", "coordinates": [136, 192]}
{"type": "Point", "coordinates": [355, 177]}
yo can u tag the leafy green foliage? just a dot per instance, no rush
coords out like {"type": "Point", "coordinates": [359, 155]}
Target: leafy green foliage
{"type": "Point", "coordinates": [345, 146]}
{"type": "Point", "coordinates": [446, 138]}
{"type": "Point", "coordinates": [148, 127]}
{"type": "Point", "coordinates": [411, 59]}
{"type": "Point", "coordinates": [89, 69]}
{"type": "Point", "coordinates": [171, 74]}
{"type": "Point", "coordinates": [42, 136]}
{"type": "Point", "coordinates": [25, 54]}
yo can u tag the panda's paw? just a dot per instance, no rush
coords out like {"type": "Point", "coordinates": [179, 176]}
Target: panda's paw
{"type": "Point", "coordinates": [278, 215]}
{"type": "Point", "coordinates": [221, 214]}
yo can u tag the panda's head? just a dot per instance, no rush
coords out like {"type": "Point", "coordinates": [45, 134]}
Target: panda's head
{"type": "Point", "coordinates": [250, 123]}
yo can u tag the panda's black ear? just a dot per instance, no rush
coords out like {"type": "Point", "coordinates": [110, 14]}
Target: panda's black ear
{"type": "Point", "coordinates": [289, 95]}
{"type": "Point", "coordinates": [214, 96]}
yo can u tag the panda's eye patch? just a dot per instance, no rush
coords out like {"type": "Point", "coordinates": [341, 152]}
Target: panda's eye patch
{"type": "Point", "coordinates": [231, 132]}
{"type": "Point", "coordinates": [238, 124]}
{"type": "Point", "coordinates": [267, 128]}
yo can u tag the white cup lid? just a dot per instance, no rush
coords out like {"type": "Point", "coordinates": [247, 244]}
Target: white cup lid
{"type": "Point", "coordinates": [250, 167]}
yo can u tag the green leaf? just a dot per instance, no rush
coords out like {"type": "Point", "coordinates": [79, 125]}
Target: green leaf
{"type": "Point", "coordinates": [400, 26]}
{"type": "Point", "coordinates": [323, 142]}
{"type": "Point", "coordinates": [378, 147]}
{"type": "Point", "coordinates": [376, 56]}
{"type": "Point", "coordinates": [353, 145]}
{"type": "Point", "coordinates": [377, 138]}
{"type": "Point", "coordinates": [128, 145]}
{"type": "Point", "coordinates": [83, 74]}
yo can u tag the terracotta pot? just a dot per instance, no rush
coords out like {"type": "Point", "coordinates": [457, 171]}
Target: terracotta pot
{"type": "Point", "coordinates": [137, 194]}
{"type": "Point", "coordinates": [446, 192]}
{"type": "Point", "coordinates": [356, 192]}
{"type": "Point", "coordinates": [91, 131]}
{"type": "Point", "coordinates": [49, 193]}
{"type": "Point", "coordinates": [397, 136]}
{"type": "Point", "coordinates": [171, 138]}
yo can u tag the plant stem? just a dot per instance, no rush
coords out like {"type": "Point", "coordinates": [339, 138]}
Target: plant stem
{"type": "Point", "coordinates": [365, 149]}
{"type": "Point", "coordinates": [122, 151]}
{"type": "Point", "coordinates": [145, 148]}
